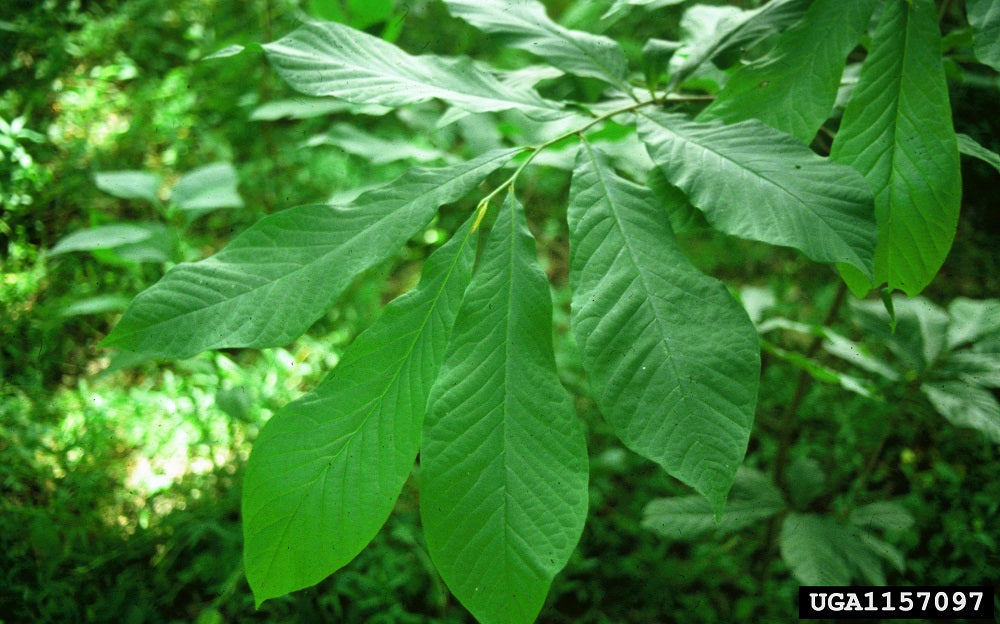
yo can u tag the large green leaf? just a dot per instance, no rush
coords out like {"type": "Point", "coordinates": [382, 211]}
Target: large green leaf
{"type": "Point", "coordinates": [897, 131]}
{"type": "Point", "coordinates": [740, 30]}
{"type": "Point", "coordinates": [794, 88]}
{"type": "Point", "coordinates": [752, 499]}
{"type": "Point", "coordinates": [984, 16]}
{"type": "Point", "coordinates": [503, 493]}
{"type": "Point", "coordinates": [330, 59]}
{"type": "Point", "coordinates": [755, 182]}
{"type": "Point", "coordinates": [523, 24]}
{"type": "Point", "coordinates": [677, 389]}
{"type": "Point", "coordinates": [327, 469]}
{"type": "Point", "coordinates": [270, 283]}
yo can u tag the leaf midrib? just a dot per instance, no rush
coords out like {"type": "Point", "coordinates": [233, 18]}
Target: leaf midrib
{"type": "Point", "coordinates": [377, 401]}
{"type": "Point", "coordinates": [319, 261]}
{"type": "Point", "coordinates": [799, 200]}
{"type": "Point", "coordinates": [606, 191]}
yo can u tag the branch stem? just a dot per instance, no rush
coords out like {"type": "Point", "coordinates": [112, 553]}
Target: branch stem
{"type": "Point", "coordinates": [484, 203]}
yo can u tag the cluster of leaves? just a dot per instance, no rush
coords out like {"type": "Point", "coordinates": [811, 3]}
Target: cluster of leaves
{"type": "Point", "coordinates": [951, 357]}
{"type": "Point", "coordinates": [461, 369]}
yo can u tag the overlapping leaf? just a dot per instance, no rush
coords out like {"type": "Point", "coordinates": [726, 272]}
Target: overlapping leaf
{"type": "Point", "coordinates": [270, 283]}
{"type": "Point", "coordinates": [330, 59]}
{"type": "Point", "coordinates": [757, 183]}
{"type": "Point", "coordinates": [672, 356]}
{"type": "Point", "coordinates": [742, 30]}
{"type": "Point", "coordinates": [327, 469]}
{"type": "Point", "coordinates": [897, 131]}
{"type": "Point", "coordinates": [503, 462]}
{"type": "Point", "coordinates": [524, 24]}
{"type": "Point", "coordinates": [794, 88]}
{"type": "Point", "coordinates": [752, 499]}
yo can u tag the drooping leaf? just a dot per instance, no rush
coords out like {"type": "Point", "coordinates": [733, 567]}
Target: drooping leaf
{"type": "Point", "coordinates": [207, 188]}
{"type": "Point", "coordinates": [757, 183]}
{"type": "Point", "coordinates": [101, 237]}
{"type": "Point", "coordinates": [810, 546]}
{"type": "Point", "coordinates": [377, 150]}
{"type": "Point", "coordinates": [129, 184]}
{"type": "Point", "coordinates": [975, 368]}
{"type": "Point", "coordinates": [99, 304]}
{"type": "Point", "coordinates": [307, 107]}
{"type": "Point", "coordinates": [621, 7]}
{"type": "Point", "coordinates": [524, 24]}
{"type": "Point", "coordinates": [920, 336]}
{"type": "Point", "coordinates": [890, 554]}
{"type": "Point", "coordinates": [972, 320]}
{"type": "Point", "coordinates": [897, 131]}
{"type": "Point", "coordinates": [818, 371]}
{"type": "Point", "coordinates": [742, 29]}
{"type": "Point", "coordinates": [503, 462]}
{"type": "Point", "coordinates": [793, 89]}
{"type": "Point", "coordinates": [984, 16]}
{"type": "Point", "coordinates": [683, 216]}
{"type": "Point", "coordinates": [965, 405]}
{"type": "Point", "coordinates": [752, 499]}
{"type": "Point", "coordinates": [274, 280]}
{"type": "Point", "coordinates": [230, 50]}
{"type": "Point", "coordinates": [885, 515]}
{"type": "Point", "coordinates": [327, 469]}
{"type": "Point", "coordinates": [970, 147]}
{"type": "Point", "coordinates": [677, 390]}
{"type": "Point", "coordinates": [330, 59]}
{"type": "Point", "coordinates": [121, 243]}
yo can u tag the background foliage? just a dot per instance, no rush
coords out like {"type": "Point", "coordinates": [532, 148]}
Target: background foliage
{"type": "Point", "coordinates": [120, 479]}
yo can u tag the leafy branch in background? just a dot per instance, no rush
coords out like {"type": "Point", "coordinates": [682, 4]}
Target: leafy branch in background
{"type": "Point", "coordinates": [195, 194]}
{"type": "Point", "coordinates": [461, 371]}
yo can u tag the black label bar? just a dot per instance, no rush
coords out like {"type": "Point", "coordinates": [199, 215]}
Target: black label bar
{"type": "Point", "coordinates": [895, 603]}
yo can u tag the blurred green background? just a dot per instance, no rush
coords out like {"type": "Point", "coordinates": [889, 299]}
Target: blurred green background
{"type": "Point", "coordinates": [120, 476]}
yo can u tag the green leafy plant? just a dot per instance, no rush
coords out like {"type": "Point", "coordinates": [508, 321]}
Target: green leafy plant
{"type": "Point", "coordinates": [196, 193]}
{"type": "Point", "coordinates": [950, 357]}
{"type": "Point", "coordinates": [461, 370]}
